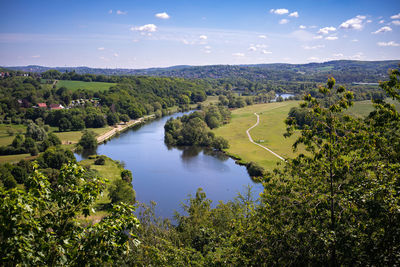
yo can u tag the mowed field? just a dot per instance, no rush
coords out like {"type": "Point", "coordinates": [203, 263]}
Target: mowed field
{"type": "Point", "coordinates": [270, 130]}
{"type": "Point", "coordinates": [268, 133]}
{"type": "Point", "coordinates": [75, 85]}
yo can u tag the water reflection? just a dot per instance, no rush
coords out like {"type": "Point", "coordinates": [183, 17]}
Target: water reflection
{"type": "Point", "coordinates": [167, 175]}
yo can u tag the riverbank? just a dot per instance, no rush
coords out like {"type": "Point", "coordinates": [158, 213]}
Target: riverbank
{"type": "Point", "coordinates": [121, 127]}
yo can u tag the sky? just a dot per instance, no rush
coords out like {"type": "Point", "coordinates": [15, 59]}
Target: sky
{"type": "Point", "coordinates": [161, 33]}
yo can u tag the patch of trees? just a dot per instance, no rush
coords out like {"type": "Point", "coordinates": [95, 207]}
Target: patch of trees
{"type": "Point", "coordinates": [195, 129]}
{"type": "Point", "coordinates": [35, 140]}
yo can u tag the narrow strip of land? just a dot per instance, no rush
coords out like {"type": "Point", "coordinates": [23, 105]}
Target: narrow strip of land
{"type": "Point", "coordinates": [120, 127]}
{"type": "Point", "coordinates": [251, 139]}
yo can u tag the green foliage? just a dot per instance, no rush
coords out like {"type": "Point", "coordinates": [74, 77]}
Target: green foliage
{"type": "Point", "coordinates": [126, 175]}
{"type": "Point", "coordinates": [88, 140]}
{"type": "Point", "coordinates": [39, 226]}
{"type": "Point", "coordinates": [35, 132]}
{"type": "Point", "coordinates": [121, 191]}
{"type": "Point", "coordinates": [55, 158]}
{"type": "Point", "coordinates": [194, 129]}
{"type": "Point", "coordinates": [100, 160]}
{"type": "Point", "coordinates": [254, 169]}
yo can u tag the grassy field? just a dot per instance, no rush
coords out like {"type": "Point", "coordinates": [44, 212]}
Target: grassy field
{"type": "Point", "coordinates": [5, 137]}
{"type": "Point", "coordinates": [270, 130]}
{"type": "Point", "coordinates": [269, 133]}
{"type": "Point", "coordinates": [110, 170]}
{"type": "Point", "coordinates": [94, 86]}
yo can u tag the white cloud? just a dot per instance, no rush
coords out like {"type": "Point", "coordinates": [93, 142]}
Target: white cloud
{"type": "Point", "coordinates": [294, 14]}
{"type": "Point", "coordinates": [145, 28]}
{"type": "Point", "coordinates": [262, 36]}
{"type": "Point", "coordinates": [391, 43]}
{"type": "Point", "coordinates": [302, 27]}
{"type": "Point", "coordinates": [396, 22]}
{"type": "Point", "coordinates": [36, 56]}
{"type": "Point", "coordinates": [252, 48]}
{"type": "Point", "coordinates": [162, 15]}
{"type": "Point", "coordinates": [100, 48]}
{"type": "Point", "coordinates": [116, 55]}
{"type": "Point", "coordinates": [110, 11]}
{"type": "Point", "coordinates": [318, 37]}
{"type": "Point", "coordinates": [381, 21]}
{"type": "Point", "coordinates": [395, 16]}
{"type": "Point", "coordinates": [313, 27]}
{"type": "Point", "coordinates": [326, 30]}
{"type": "Point", "coordinates": [338, 55]}
{"type": "Point", "coordinates": [203, 37]}
{"type": "Point", "coordinates": [369, 21]}
{"type": "Point", "coordinates": [279, 11]}
{"type": "Point", "coordinates": [331, 38]}
{"type": "Point", "coordinates": [306, 47]}
{"type": "Point", "coordinates": [354, 40]}
{"type": "Point", "coordinates": [357, 56]}
{"type": "Point", "coordinates": [265, 52]}
{"type": "Point", "coordinates": [207, 51]}
{"type": "Point", "coordinates": [119, 12]}
{"type": "Point", "coordinates": [283, 21]}
{"type": "Point", "coordinates": [383, 29]}
{"type": "Point", "coordinates": [207, 47]}
{"type": "Point", "coordinates": [238, 55]}
{"type": "Point", "coordinates": [353, 23]}
{"type": "Point", "coordinates": [313, 59]}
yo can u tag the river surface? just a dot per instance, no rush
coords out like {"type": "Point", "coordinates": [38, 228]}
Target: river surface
{"type": "Point", "coordinates": [167, 175]}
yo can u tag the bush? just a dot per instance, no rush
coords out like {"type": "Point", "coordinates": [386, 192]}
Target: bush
{"type": "Point", "coordinates": [254, 169]}
{"type": "Point", "coordinates": [121, 191]}
{"type": "Point", "coordinates": [88, 140]}
{"type": "Point", "coordinates": [100, 161]}
{"type": "Point", "coordinates": [126, 175]}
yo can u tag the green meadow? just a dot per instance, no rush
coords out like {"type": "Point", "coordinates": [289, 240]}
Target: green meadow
{"type": "Point", "coordinates": [269, 133]}
{"type": "Point", "coordinates": [93, 86]}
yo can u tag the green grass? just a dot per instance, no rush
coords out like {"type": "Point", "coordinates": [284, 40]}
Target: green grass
{"type": "Point", "coordinates": [269, 133]}
{"type": "Point", "coordinates": [363, 108]}
{"type": "Point", "coordinates": [93, 86]}
{"type": "Point", "coordinates": [110, 170]}
{"type": "Point", "coordinates": [14, 158]}
{"type": "Point", "coordinates": [75, 136]}
{"type": "Point", "coordinates": [5, 138]}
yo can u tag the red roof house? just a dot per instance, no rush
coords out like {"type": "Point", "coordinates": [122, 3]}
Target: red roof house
{"type": "Point", "coordinates": [56, 106]}
{"type": "Point", "coordinates": [42, 105]}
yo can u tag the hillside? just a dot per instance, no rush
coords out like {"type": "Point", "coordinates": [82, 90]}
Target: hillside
{"type": "Point", "coordinates": [345, 71]}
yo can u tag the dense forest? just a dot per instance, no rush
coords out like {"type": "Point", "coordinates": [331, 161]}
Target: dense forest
{"type": "Point", "coordinates": [338, 204]}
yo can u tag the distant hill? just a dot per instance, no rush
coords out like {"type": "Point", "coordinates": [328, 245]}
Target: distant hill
{"type": "Point", "coordinates": [345, 71]}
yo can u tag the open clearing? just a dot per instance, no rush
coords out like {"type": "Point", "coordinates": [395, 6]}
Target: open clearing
{"type": "Point", "coordinates": [268, 133]}
{"type": "Point", "coordinates": [93, 86]}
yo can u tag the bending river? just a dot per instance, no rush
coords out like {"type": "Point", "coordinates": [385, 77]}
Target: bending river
{"type": "Point", "coordinates": [167, 175]}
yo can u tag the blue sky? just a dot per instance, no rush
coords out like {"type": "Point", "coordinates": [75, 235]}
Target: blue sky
{"type": "Point", "coordinates": [147, 33]}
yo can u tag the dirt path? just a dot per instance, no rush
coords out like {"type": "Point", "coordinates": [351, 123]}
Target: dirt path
{"type": "Point", "coordinates": [251, 139]}
{"type": "Point", "coordinates": [120, 127]}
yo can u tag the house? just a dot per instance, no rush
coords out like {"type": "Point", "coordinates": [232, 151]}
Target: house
{"type": "Point", "coordinates": [42, 105]}
{"type": "Point", "coordinates": [56, 106]}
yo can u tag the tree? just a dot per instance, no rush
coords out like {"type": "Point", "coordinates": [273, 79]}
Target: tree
{"type": "Point", "coordinates": [35, 132]}
{"type": "Point", "coordinates": [126, 175]}
{"type": "Point", "coordinates": [64, 125]}
{"type": "Point", "coordinates": [88, 140]}
{"type": "Point", "coordinates": [121, 191]}
{"type": "Point", "coordinates": [338, 204]}
{"type": "Point", "coordinates": [39, 225]}
{"type": "Point", "coordinates": [124, 118]}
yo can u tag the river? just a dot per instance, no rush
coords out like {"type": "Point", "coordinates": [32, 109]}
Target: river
{"type": "Point", "coordinates": [167, 175]}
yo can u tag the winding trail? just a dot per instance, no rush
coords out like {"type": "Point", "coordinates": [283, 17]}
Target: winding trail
{"type": "Point", "coordinates": [251, 139]}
